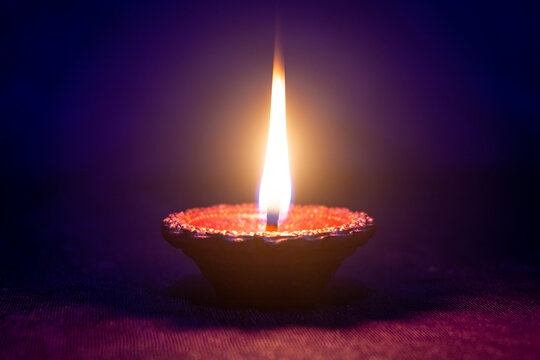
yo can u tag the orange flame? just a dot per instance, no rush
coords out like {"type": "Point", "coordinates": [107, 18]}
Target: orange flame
{"type": "Point", "coordinates": [275, 189]}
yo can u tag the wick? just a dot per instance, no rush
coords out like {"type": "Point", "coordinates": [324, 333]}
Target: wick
{"type": "Point", "coordinates": [272, 221]}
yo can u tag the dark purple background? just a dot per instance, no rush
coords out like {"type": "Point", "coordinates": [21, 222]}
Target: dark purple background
{"type": "Point", "coordinates": [423, 114]}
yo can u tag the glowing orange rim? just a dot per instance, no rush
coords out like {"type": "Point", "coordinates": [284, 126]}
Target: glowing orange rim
{"type": "Point", "coordinates": [244, 221]}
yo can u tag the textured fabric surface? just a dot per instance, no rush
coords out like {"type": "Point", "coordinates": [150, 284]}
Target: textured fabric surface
{"type": "Point", "coordinates": [430, 314]}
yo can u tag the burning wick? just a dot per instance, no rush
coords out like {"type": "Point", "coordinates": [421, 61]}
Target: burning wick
{"type": "Point", "coordinates": [275, 190]}
{"type": "Point", "coordinates": [272, 219]}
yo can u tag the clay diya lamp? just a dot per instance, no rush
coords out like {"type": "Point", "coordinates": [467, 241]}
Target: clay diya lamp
{"type": "Point", "coordinates": [270, 255]}
{"type": "Point", "coordinates": [249, 266]}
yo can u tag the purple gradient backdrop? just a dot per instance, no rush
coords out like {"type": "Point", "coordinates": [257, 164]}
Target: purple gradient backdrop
{"type": "Point", "coordinates": [424, 115]}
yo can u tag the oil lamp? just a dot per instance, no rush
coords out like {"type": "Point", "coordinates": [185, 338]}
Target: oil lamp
{"type": "Point", "coordinates": [273, 254]}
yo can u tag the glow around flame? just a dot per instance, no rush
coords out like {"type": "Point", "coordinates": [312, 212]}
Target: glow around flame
{"type": "Point", "coordinates": [275, 190]}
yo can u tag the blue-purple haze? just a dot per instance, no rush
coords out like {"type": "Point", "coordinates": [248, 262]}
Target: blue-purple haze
{"type": "Point", "coordinates": [423, 113]}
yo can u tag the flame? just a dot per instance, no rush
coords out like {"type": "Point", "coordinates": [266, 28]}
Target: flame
{"type": "Point", "coordinates": [275, 189]}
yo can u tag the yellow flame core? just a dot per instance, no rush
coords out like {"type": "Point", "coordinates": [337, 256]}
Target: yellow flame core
{"type": "Point", "coordinates": [275, 190]}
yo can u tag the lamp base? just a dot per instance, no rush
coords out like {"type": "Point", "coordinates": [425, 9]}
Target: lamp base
{"type": "Point", "coordinates": [269, 279]}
